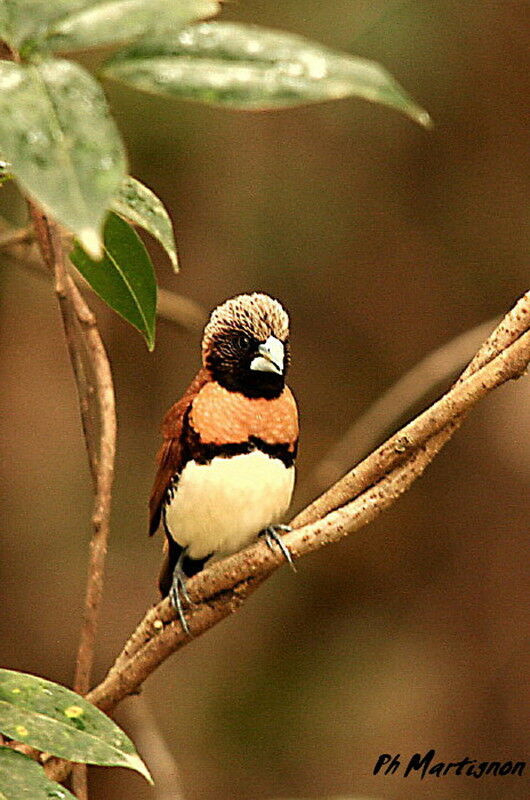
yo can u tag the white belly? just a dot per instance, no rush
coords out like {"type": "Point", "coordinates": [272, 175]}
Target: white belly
{"type": "Point", "coordinates": [221, 506]}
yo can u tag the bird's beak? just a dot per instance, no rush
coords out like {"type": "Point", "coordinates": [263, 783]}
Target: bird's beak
{"type": "Point", "coordinates": [271, 356]}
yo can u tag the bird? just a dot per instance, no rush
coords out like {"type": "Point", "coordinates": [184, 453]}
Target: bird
{"type": "Point", "coordinates": [226, 466]}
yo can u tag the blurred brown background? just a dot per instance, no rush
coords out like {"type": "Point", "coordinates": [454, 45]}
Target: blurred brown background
{"type": "Point", "coordinates": [384, 241]}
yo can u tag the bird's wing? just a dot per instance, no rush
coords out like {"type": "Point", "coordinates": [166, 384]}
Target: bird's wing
{"type": "Point", "coordinates": [170, 455]}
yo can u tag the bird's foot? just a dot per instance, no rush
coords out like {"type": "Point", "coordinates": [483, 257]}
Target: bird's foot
{"type": "Point", "coordinates": [272, 537]}
{"type": "Point", "coordinates": [178, 592]}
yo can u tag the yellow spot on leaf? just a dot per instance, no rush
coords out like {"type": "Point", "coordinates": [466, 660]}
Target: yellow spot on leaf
{"type": "Point", "coordinates": [73, 712]}
{"type": "Point", "coordinates": [21, 730]}
{"type": "Point", "coordinates": [16, 690]}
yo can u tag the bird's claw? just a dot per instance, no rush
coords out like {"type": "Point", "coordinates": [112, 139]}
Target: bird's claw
{"type": "Point", "coordinates": [177, 592]}
{"type": "Point", "coordinates": [272, 536]}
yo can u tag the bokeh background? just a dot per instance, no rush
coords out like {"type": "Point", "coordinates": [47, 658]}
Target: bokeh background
{"type": "Point", "coordinates": [384, 241]}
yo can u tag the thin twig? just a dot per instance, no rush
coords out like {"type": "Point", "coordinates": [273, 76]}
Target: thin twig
{"type": "Point", "coordinates": [17, 236]}
{"type": "Point", "coordinates": [150, 742]}
{"type": "Point", "coordinates": [373, 486]}
{"type": "Point", "coordinates": [180, 310]}
{"type": "Point", "coordinates": [438, 366]}
{"type": "Point", "coordinates": [172, 307]}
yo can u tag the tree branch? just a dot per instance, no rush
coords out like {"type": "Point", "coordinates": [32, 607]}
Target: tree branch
{"type": "Point", "coordinates": [104, 468]}
{"type": "Point", "coordinates": [105, 476]}
{"type": "Point", "coordinates": [85, 346]}
{"type": "Point", "coordinates": [354, 501]}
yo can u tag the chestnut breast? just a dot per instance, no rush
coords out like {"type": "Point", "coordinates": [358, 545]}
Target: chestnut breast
{"type": "Point", "coordinates": [223, 417]}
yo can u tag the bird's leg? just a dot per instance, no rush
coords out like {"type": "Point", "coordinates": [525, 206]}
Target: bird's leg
{"type": "Point", "coordinates": [271, 534]}
{"type": "Point", "coordinates": [178, 591]}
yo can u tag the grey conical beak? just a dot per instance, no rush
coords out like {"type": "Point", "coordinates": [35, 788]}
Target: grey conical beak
{"type": "Point", "coordinates": [271, 356]}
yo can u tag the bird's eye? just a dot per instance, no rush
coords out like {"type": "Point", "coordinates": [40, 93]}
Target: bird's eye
{"type": "Point", "coordinates": [244, 341]}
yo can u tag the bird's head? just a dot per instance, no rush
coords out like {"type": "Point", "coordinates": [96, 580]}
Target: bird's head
{"type": "Point", "coordinates": [245, 345]}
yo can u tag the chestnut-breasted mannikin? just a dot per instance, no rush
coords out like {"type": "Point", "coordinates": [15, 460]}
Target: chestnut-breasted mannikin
{"type": "Point", "coordinates": [226, 465]}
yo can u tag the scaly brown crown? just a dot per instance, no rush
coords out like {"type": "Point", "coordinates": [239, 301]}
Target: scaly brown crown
{"type": "Point", "coordinates": [257, 315]}
{"type": "Point", "coordinates": [234, 340]}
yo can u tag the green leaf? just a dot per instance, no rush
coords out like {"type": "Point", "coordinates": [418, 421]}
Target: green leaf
{"type": "Point", "coordinates": [142, 207]}
{"type": "Point", "coordinates": [64, 148]}
{"type": "Point", "coordinates": [27, 20]}
{"type": "Point", "coordinates": [58, 721]}
{"type": "Point", "coordinates": [109, 21]}
{"type": "Point", "coordinates": [248, 67]}
{"type": "Point", "coordinates": [124, 278]}
{"type": "Point", "coordinates": [22, 778]}
{"type": "Point", "coordinates": [69, 24]}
